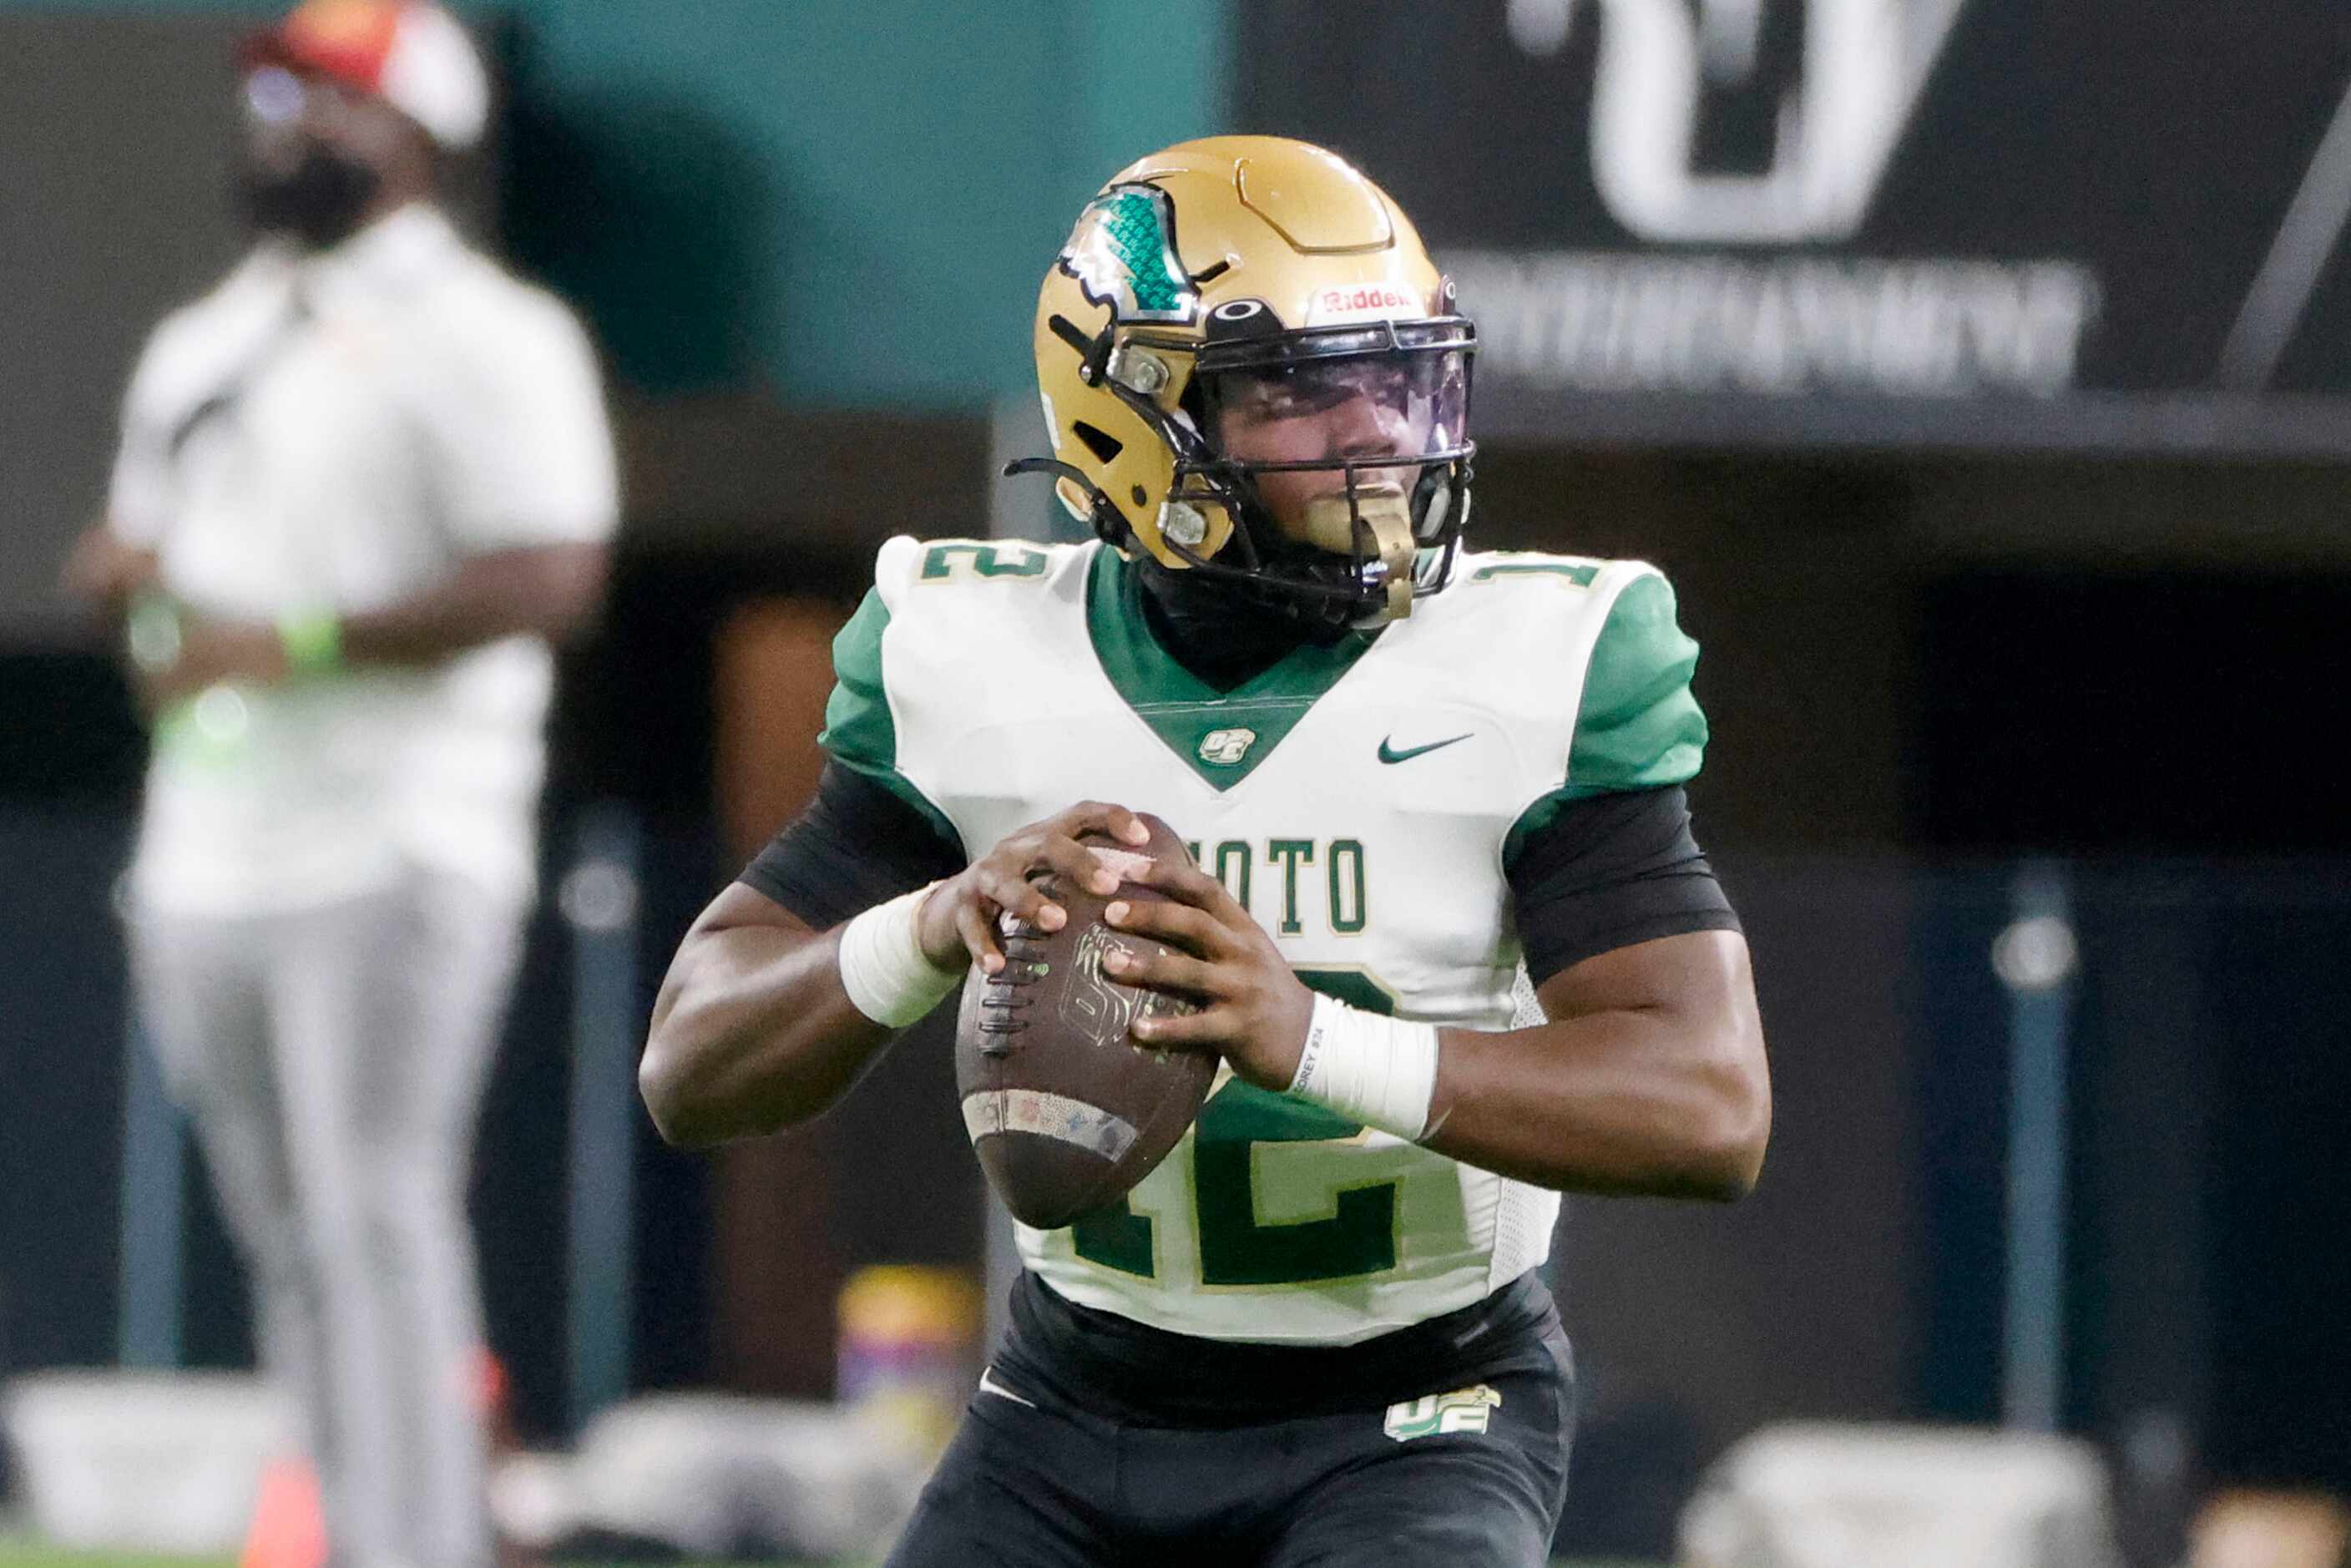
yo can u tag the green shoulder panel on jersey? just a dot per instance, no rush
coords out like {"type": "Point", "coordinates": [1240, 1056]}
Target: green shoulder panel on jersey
{"type": "Point", "coordinates": [1221, 736]}
{"type": "Point", "coordinates": [1638, 725]}
{"type": "Point", "coordinates": [859, 732]}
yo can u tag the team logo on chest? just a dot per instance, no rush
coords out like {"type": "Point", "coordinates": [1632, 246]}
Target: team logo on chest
{"type": "Point", "coordinates": [1226, 748]}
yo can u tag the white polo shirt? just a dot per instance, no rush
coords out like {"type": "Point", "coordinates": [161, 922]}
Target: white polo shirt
{"type": "Point", "coordinates": [340, 432]}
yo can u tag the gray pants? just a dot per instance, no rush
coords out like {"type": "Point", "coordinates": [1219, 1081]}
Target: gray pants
{"type": "Point", "coordinates": [333, 1060]}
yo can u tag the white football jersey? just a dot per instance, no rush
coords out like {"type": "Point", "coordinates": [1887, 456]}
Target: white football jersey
{"type": "Point", "coordinates": [1363, 801]}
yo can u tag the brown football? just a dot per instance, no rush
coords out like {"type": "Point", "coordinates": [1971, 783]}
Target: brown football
{"type": "Point", "coordinates": [1065, 1111]}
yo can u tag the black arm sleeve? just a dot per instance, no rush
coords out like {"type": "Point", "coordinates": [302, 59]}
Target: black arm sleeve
{"type": "Point", "coordinates": [1609, 872]}
{"type": "Point", "coordinates": [856, 845]}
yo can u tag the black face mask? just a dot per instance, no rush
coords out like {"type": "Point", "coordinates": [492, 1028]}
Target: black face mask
{"type": "Point", "coordinates": [319, 201]}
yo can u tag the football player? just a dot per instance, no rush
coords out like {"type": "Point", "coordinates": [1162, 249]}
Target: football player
{"type": "Point", "coordinates": [1448, 930]}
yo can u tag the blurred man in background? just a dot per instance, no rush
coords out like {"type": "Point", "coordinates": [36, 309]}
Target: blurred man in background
{"type": "Point", "coordinates": [362, 484]}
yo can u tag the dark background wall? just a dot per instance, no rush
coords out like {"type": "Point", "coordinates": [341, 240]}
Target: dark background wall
{"type": "Point", "coordinates": [1920, 669]}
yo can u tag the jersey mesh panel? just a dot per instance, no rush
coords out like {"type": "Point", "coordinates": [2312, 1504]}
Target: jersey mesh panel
{"type": "Point", "coordinates": [1526, 1216]}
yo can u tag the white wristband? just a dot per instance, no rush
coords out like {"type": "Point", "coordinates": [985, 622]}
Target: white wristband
{"type": "Point", "coordinates": [1381, 1071]}
{"type": "Point", "coordinates": [883, 967]}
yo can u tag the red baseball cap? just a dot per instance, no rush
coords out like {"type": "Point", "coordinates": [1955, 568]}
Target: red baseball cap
{"type": "Point", "coordinates": [411, 54]}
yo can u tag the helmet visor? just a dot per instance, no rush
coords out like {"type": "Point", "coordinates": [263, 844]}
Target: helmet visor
{"type": "Point", "coordinates": [1355, 426]}
{"type": "Point", "coordinates": [1407, 404]}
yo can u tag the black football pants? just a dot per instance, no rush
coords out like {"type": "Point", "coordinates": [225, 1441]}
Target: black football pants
{"type": "Point", "coordinates": [1031, 1481]}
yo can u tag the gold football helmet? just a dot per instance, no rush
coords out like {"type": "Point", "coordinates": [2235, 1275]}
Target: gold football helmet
{"type": "Point", "coordinates": [1252, 284]}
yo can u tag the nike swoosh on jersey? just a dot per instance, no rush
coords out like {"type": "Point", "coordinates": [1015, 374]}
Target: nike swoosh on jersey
{"type": "Point", "coordinates": [987, 1384]}
{"type": "Point", "coordinates": [1388, 753]}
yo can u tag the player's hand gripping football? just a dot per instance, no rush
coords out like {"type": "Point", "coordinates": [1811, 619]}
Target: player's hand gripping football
{"type": "Point", "coordinates": [1253, 1010]}
{"type": "Point", "coordinates": [959, 919]}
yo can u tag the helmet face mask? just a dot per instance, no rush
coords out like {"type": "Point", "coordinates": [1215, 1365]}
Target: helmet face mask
{"type": "Point", "coordinates": [1353, 452]}
{"type": "Point", "coordinates": [1288, 414]}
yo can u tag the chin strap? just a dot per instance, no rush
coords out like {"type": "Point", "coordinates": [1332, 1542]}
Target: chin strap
{"type": "Point", "coordinates": [1108, 524]}
{"type": "Point", "coordinates": [1056, 467]}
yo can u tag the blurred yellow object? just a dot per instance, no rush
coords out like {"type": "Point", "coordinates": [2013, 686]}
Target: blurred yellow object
{"type": "Point", "coordinates": [2272, 1529]}
{"type": "Point", "coordinates": [909, 1339]}
{"type": "Point", "coordinates": [909, 1302]}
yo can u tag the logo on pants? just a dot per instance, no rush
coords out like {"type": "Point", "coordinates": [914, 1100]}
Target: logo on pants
{"type": "Point", "coordinates": [1463, 1410]}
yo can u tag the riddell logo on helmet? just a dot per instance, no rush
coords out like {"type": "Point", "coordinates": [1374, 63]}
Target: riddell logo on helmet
{"type": "Point", "coordinates": [1361, 302]}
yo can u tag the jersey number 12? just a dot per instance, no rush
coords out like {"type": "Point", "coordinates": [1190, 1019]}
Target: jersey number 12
{"type": "Point", "coordinates": [1358, 1238]}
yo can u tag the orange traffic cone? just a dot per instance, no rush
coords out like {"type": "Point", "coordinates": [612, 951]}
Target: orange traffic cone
{"type": "Point", "coordinates": [289, 1530]}
{"type": "Point", "coordinates": [289, 1525]}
